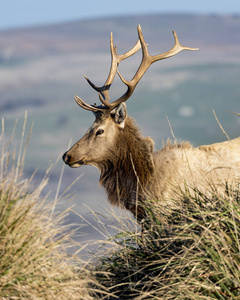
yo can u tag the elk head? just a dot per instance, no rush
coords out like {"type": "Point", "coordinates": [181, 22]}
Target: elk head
{"type": "Point", "coordinates": [97, 144]}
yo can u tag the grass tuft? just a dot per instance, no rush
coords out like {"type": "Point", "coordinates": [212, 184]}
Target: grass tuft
{"type": "Point", "coordinates": [34, 263]}
{"type": "Point", "coordinates": [191, 252]}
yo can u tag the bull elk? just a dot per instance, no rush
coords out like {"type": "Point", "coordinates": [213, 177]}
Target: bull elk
{"type": "Point", "coordinates": [131, 171]}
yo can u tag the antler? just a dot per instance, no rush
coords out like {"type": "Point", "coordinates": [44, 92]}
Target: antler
{"type": "Point", "coordinates": [104, 90]}
{"type": "Point", "coordinates": [146, 62]}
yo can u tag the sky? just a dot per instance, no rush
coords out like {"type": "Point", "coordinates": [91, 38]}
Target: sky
{"type": "Point", "coordinates": [23, 13]}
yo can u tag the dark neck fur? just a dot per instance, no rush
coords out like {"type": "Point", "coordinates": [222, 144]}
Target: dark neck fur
{"type": "Point", "coordinates": [129, 167]}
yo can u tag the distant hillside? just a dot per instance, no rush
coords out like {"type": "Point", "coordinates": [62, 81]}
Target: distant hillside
{"type": "Point", "coordinates": [91, 35]}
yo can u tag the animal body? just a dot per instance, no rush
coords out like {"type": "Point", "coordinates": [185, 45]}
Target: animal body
{"type": "Point", "coordinates": [131, 171]}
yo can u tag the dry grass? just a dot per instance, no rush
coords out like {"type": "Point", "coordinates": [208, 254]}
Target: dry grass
{"type": "Point", "coordinates": [34, 263]}
{"type": "Point", "coordinates": [190, 253]}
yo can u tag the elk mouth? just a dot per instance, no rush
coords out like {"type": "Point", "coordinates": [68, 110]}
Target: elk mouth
{"type": "Point", "coordinates": [76, 164]}
{"type": "Point", "coordinates": [67, 159]}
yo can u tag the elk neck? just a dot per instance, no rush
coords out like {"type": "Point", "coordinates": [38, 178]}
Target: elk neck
{"type": "Point", "coordinates": [129, 166]}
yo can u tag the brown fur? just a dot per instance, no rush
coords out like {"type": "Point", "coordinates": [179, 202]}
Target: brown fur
{"type": "Point", "coordinates": [129, 168]}
{"type": "Point", "coordinates": [131, 171]}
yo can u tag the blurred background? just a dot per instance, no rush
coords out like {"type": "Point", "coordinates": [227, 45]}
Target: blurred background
{"type": "Point", "coordinates": [47, 46]}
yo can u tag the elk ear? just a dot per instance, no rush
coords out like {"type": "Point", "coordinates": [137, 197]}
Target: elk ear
{"type": "Point", "coordinates": [120, 114]}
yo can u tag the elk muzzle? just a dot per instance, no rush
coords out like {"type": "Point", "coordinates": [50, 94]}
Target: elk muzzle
{"type": "Point", "coordinates": [69, 161]}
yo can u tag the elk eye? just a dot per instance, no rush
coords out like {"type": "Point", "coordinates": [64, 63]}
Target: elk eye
{"type": "Point", "coordinates": [100, 131]}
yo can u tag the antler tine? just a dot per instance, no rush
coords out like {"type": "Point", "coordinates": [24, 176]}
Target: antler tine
{"type": "Point", "coordinates": [96, 88]}
{"type": "Point", "coordinates": [147, 60]}
{"type": "Point", "coordinates": [86, 106]}
{"type": "Point", "coordinates": [175, 50]}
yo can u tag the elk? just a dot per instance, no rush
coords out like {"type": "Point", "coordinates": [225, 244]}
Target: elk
{"type": "Point", "coordinates": [131, 171]}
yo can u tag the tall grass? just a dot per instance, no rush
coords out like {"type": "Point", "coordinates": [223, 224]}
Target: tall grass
{"type": "Point", "coordinates": [34, 263]}
{"type": "Point", "coordinates": [189, 252]}
{"type": "Point", "coordinates": [192, 252]}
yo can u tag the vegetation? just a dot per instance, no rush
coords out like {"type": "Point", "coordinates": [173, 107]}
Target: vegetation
{"type": "Point", "coordinates": [190, 252]}
{"type": "Point", "coordinates": [34, 263]}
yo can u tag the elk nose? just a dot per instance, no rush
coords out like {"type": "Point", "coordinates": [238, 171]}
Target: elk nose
{"type": "Point", "coordinates": [66, 158]}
